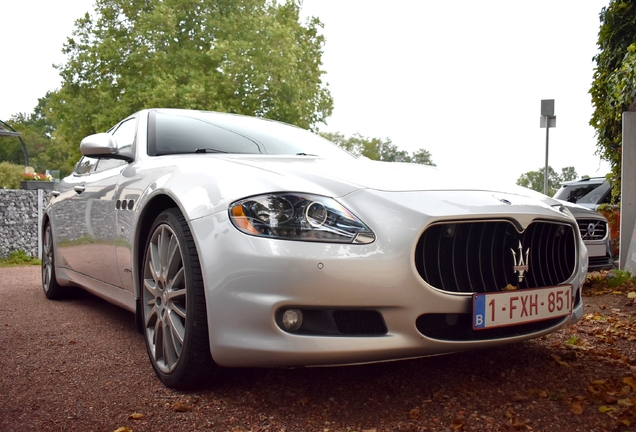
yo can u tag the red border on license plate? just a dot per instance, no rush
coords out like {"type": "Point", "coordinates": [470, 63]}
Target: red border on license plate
{"type": "Point", "coordinates": [508, 308]}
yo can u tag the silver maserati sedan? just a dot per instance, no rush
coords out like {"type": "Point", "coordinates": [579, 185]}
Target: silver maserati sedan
{"type": "Point", "coordinates": [238, 241]}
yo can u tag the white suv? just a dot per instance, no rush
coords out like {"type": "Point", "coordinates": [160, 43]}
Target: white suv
{"type": "Point", "coordinates": [587, 192]}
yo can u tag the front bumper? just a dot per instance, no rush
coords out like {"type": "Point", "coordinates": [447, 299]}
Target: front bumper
{"type": "Point", "coordinates": [248, 280]}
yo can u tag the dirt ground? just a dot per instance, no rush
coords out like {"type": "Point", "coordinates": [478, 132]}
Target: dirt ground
{"type": "Point", "coordinates": [80, 365]}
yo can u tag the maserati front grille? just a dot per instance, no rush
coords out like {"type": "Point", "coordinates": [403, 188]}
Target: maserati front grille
{"type": "Point", "coordinates": [490, 256]}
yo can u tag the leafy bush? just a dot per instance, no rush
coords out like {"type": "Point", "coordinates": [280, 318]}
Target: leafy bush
{"type": "Point", "coordinates": [19, 258]}
{"type": "Point", "coordinates": [10, 175]}
{"type": "Point", "coordinates": [619, 277]}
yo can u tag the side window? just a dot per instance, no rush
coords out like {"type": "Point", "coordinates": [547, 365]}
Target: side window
{"type": "Point", "coordinates": [85, 166]}
{"type": "Point", "coordinates": [579, 193]}
{"type": "Point", "coordinates": [105, 164]}
{"type": "Point", "coordinates": [125, 133]}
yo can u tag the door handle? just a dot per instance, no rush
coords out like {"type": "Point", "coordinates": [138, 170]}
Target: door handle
{"type": "Point", "coordinates": [79, 189]}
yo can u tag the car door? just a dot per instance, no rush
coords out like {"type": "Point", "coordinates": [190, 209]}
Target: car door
{"type": "Point", "coordinates": [91, 250]}
{"type": "Point", "coordinates": [68, 212]}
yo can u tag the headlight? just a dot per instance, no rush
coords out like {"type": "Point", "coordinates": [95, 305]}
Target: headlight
{"type": "Point", "coordinates": [294, 216]}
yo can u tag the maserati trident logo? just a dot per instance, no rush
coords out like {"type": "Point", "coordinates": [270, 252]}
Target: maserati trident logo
{"type": "Point", "coordinates": [521, 262]}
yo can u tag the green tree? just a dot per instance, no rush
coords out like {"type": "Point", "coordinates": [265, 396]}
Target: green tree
{"type": "Point", "coordinates": [534, 179]}
{"type": "Point", "coordinates": [614, 81]}
{"type": "Point", "coordinates": [568, 174]}
{"type": "Point", "coordinates": [249, 57]}
{"type": "Point", "coordinates": [421, 157]}
{"type": "Point", "coordinates": [377, 149]}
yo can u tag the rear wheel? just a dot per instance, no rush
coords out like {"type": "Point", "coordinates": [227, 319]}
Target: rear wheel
{"type": "Point", "coordinates": [52, 289]}
{"type": "Point", "coordinates": [173, 308]}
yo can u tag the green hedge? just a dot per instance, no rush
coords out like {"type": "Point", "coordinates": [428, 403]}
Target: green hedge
{"type": "Point", "coordinates": [10, 175]}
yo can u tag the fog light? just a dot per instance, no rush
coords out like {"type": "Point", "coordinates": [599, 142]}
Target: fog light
{"type": "Point", "coordinates": [292, 319]}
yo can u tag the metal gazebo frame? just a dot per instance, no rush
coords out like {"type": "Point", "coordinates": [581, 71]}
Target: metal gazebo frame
{"type": "Point", "coordinates": [6, 130]}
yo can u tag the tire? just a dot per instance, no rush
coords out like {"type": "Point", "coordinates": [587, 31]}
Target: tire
{"type": "Point", "coordinates": [52, 289]}
{"type": "Point", "coordinates": [173, 311]}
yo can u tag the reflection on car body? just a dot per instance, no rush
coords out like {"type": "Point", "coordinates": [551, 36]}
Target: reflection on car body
{"type": "Point", "coordinates": [279, 248]}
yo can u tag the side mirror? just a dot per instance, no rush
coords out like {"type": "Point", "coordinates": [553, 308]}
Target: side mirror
{"type": "Point", "coordinates": [104, 145]}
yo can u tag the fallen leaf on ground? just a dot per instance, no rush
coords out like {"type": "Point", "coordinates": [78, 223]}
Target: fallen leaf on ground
{"type": "Point", "coordinates": [181, 407]}
{"type": "Point", "coordinates": [630, 382]}
{"type": "Point", "coordinates": [557, 359]}
{"type": "Point", "coordinates": [605, 409]}
{"type": "Point", "coordinates": [519, 397]}
{"type": "Point", "coordinates": [457, 424]}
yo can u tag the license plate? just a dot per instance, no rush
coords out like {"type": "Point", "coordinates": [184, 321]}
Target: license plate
{"type": "Point", "coordinates": [520, 306]}
{"type": "Point", "coordinates": [596, 250]}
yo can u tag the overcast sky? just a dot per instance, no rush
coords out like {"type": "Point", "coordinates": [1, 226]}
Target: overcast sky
{"type": "Point", "coordinates": [463, 79]}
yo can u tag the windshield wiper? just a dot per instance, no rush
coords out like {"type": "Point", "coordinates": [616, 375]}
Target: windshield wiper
{"type": "Point", "coordinates": [209, 150]}
{"type": "Point", "coordinates": [305, 154]}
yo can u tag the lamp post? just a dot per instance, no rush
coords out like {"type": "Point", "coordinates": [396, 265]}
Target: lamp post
{"type": "Point", "coordinates": [14, 133]}
{"type": "Point", "coordinates": [548, 120]}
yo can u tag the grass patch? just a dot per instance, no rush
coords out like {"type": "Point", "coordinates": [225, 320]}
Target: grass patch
{"type": "Point", "coordinates": [19, 258]}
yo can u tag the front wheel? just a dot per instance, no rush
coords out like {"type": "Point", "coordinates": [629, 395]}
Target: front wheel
{"type": "Point", "coordinates": [173, 308]}
{"type": "Point", "coordinates": [52, 289]}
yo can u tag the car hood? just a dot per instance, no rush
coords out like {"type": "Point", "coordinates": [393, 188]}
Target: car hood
{"type": "Point", "coordinates": [233, 177]}
{"type": "Point", "coordinates": [343, 177]}
{"type": "Point", "coordinates": [581, 212]}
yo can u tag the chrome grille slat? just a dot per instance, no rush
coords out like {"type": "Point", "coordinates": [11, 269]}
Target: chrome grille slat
{"type": "Point", "coordinates": [544, 256]}
{"type": "Point", "coordinates": [476, 256]}
{"type": "Point", "coordinates": [454, 259]}
{"type": "Point", "coordinates": [467, 266]}
{"type": "Point", "coordinates": [561, 247]}
{"type": "Point", "coordinates": [496, 254]}
{"type": "Point", "coordinates": [546, 268]}
{"type": "Point", "coordinates": [439, 264]}
{"type": "Point", "coordinates": [481, 255]}
{"type": "Point", "coordinates": [491, 254]}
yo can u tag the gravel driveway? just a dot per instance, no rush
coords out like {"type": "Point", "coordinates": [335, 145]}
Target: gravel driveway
{"type": "Point", "coordinates": [80, 365]}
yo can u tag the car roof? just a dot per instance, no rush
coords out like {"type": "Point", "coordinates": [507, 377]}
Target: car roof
{"type": "Point", "coordinates": [589, 180]}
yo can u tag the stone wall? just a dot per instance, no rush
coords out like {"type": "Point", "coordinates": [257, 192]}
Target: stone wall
{"type": "Point", "coordinates": [19, 220]}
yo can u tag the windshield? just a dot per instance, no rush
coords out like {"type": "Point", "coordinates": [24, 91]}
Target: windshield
{"type": "Point", "coordinates": [179, 132]}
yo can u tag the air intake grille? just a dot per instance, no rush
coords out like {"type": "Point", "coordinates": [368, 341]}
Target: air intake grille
{"type": "Point", "coordinates": [436, 326]}
{"type": "Point", "coordinates": [359, 322]}
{"type": "Point", "coordinates": [482, 256]}
{"type": "Point", "coordinates": [592, 229]}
